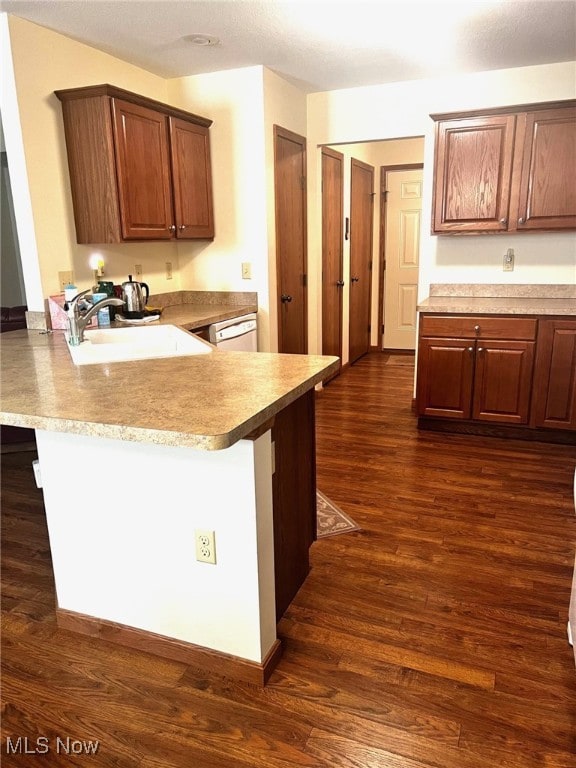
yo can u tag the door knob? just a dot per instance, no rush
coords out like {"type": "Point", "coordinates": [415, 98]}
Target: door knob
{"type": "Point", "coordinates": [354, 279]}
{"type": "Point", "coordinates": [286, 298]}
{"type": "Point", "coordinates": [340, 283]}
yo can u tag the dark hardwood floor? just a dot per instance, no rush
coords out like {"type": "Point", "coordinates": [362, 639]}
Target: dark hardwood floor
{"type": "Point", "coordinates": [435, 636]}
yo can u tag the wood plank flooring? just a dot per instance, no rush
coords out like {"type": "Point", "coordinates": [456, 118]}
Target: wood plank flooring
{"type": "Point", "coordinates": [433, 637]}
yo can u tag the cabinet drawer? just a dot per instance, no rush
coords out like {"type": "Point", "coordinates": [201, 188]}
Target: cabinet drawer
{"type": "Point", "coordinates": [485, 327]}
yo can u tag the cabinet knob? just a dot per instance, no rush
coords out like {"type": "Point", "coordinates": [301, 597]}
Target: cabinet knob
{"type": "Point", "coordinates": [480, 349]}
{"type": "Point", "coordinates": [172, 228]}
{"type": "Point", "coordinates": [182, 227]}
{"type": "Point", "coordinates": [521, 220]}
{"type": "Point", "coordinates": [470, 349]}
{"type": "Point", "coordinates": [477, 328]}
{"type": "Point", "coordinates": [504, 221]}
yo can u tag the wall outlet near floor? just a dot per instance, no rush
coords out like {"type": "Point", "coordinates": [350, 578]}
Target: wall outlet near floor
{"type": "Point", "coordinates": [205, 546]}
{"type": "Point", "coordinates": [168, 270]}
{"type": "Point", "coordinates": [64, 279]}
{"type": "Point", "coordinates": [246, 270]}
{"type": "Point", "coordinates": [508, 262]}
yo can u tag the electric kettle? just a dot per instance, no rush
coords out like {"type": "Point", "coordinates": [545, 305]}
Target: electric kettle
{"type": "Point", "coordinates": [133, 297]}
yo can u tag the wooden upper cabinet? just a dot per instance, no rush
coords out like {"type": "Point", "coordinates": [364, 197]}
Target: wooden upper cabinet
{"type": "Point", "coordinates": [547, 194]}
{"type": "Point", "coordinates": [473, 174]}
{"type": "Point", "coordinates": [505, 170]}
{"type": "Point", "coordinates": [143, 172]}
{"type": "Point", "coordinates": [139, 169]}
{"type": "Point", "coordinates": [190, 156]}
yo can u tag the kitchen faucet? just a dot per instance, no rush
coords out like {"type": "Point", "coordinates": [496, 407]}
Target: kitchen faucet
{"type": "Point", "coordinates": [77, 322]}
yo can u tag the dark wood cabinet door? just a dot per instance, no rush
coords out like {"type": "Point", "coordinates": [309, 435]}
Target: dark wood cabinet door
{"type": "Point", "coordinates": [141, 144]}
{"type": "Point", "coordinates": [554, 399]}
{"type": "Point", "coordinates": [445, 374]}
{"type": "Point", "coordinates": [547, 196]}
{"type": "Point", "coordinates": [332, 250]}
{"type": "Point", "coordinates": [503, 381]}
{"type": "Point", "coordinates": [473, 171]}
{"type": "Point", "coordinates": [192, 179]}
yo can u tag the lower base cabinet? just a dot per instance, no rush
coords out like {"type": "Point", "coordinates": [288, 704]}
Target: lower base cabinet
{"type": "Point", "coordinates": [555, 379]}
{"type": "Point", "coordinates": [498, 371]}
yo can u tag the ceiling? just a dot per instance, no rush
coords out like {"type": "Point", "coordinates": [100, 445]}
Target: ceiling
{"type": "Point", "coordinates": [318, 45]}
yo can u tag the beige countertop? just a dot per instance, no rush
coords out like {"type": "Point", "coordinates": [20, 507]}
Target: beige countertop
{"type": "Point", "coordinates": [204, 401]}
{"type": "Point", "coordinates": [505, 299]}
{"type": "Point", "coordinates": [498, 305]}
{"type": "Point", "coordinates": [195, 316]}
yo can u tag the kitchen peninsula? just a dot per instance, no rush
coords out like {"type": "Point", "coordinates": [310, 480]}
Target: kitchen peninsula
{"type": "Point", "coordinates": [136, 457]}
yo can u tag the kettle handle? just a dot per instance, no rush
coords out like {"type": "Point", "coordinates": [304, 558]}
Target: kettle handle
{"type": "Point", "coordinates": [145, 285]}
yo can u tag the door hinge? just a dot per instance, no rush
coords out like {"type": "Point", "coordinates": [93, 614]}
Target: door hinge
{"type": "Point", "coordinates": [303, 182]}
{"type": "Point", "coordinates": [385, 193]}
{"type": "Point", "coordinates": [369, 327]}
{"type": "Point", "coordinates": [305, 280]}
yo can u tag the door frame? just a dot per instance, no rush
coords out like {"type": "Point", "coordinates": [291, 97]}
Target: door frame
{"type": "Point", "coordinates": [284, 133]}
{"type": "Point", "coordinates": [384, 171]}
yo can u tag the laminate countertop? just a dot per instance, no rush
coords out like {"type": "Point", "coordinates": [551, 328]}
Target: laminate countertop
{"type": "Point", "coordinates": [500, 299]}
{"type": "Point", "coordinates": [207, 401]}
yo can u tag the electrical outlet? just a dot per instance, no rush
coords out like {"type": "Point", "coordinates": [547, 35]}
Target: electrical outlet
{"type": "Point", "coordinates": [168, 270]}
{"type": "Point", "coordinates": [246, 270]}
{"type": "Point", "coordinates": [508, 262]}
{"type": "Point", "coordinates": [64, 279]}
{"type": "Point", "coordinates": [138, 271]}
{"type": "Point", "coordinates": [205, 547]}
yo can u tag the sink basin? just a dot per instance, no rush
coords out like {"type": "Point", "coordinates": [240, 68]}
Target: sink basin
{"type": "Point", "coordinates": [114, 345]}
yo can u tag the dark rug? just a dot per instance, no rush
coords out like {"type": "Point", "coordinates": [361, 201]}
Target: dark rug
{"type": "Point", "coordinates": [330, 518]}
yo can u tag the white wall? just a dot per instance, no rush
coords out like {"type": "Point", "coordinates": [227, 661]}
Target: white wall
{"type": "Point", "coordinates": [402, 110]}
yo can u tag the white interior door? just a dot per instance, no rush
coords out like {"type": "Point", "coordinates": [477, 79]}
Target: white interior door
{"type": "Point", "coordinates": [403, 216]}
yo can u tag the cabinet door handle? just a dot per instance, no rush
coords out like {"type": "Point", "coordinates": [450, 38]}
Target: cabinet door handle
{"type": "Point", "coordinates": [182, 227]}
{"type": "Point", "coordinates": [480, 349]}
{"type": "Point", "coordinates": [470, 349]}
{"type": "Point", "coordinates": [477, 328]}
{"type": "Point", "coordinates": [172, 228]}
{"type": "Point", "coordinates": [521, 220]}
{"type": "Point", "coordinates": [504, 221]}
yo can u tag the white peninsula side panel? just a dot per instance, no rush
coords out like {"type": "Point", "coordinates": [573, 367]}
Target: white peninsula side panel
{"type": "Point", "coordinates": [122, 518]}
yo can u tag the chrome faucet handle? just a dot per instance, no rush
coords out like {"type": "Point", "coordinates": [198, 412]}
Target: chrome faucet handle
{"type": "Point", "coordinates": [72, 304]}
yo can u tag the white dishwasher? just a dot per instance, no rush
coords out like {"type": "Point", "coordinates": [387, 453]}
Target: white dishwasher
{"type": "Point", "coordinates": [238, 333]}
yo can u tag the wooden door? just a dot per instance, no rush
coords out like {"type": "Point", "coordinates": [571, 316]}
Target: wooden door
{"type": "Point", "coordinates": [472, 174]}
{"type": "Point", "coordinates": [143, 168]}
{"type": "Point", "coordinates": [503, 381]}
{"type": "Point", "coordinates": [554, 397]}
{"type": "Point", "coordinates": [547, 197]}
{"type": "Point", "coordinates": [332, 250]}
{"type": "Point", "coordinates": [445, 375]}
{"type": "Point", "coordinates": [403, 211]}
{"type": "Point", "coordinates": [192, 179]}
{"type": "Point", "coordinates": [291, 235]}
{"type": "Point", "coordinates": [361, 221]}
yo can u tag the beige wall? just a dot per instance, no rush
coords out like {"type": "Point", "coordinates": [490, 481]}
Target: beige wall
{"type": "Point", "coordinates": [402, 110]}
{"type": "Point", "coordinates": [45, 61]}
